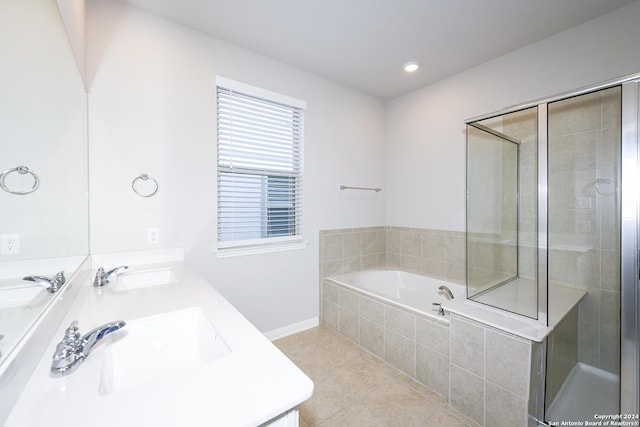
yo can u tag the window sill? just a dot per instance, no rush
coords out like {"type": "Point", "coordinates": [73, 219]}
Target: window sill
{"type": "Point", "coordinates": [233, 252]}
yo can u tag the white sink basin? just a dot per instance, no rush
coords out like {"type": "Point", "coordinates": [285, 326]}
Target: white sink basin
{"type": "Point", "coordinates": [154, 347]}
{"type": "Point", "coordinates": [18, 296]}
{"type": "Point", "coordinates": [145, 278]}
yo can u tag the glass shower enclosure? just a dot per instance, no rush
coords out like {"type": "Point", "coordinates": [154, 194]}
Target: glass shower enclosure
{"type": "Point", "coordinates": [552, 207]}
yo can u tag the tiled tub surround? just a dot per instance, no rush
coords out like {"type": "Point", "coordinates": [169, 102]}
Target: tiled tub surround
{"type": "Point", "coordinates": [454, 359]}
{"type": "Point", "coordinates": [416, 345]}
{"type": "Point", "coordinates": [435, 253]}
{"type": "Point", "coordinates": [483, 372]}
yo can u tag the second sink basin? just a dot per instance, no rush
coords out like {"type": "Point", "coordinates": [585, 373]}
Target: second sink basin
{"type": "Point", "coordinates": [153, 347]}
{"type": "Point", "coordinates": [18, 295]}
{"type": "Point", "coordinates": [145, 278]}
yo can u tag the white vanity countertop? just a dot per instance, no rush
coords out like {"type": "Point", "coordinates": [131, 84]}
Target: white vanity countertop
{"type": "Point", "coordinates": [250, 386]}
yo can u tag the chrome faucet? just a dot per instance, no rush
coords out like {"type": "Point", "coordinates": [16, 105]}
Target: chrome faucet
{"type": "Point", "coordinates": [102, 278]}
{"type": "Point", "coordinates": [447, 291]}
{"type": "Point", "coordinates": [440, 309]}
{"type": "Point", "coordinates": [53, 285]}
{"type": "Point", "coordinates": [73, 349]}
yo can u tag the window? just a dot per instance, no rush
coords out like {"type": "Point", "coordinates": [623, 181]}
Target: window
{"type": "Point", "coordinates": [260, 136]}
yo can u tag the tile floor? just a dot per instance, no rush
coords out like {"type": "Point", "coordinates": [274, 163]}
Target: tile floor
{"type": "Point", "coordinates": [355, 388]}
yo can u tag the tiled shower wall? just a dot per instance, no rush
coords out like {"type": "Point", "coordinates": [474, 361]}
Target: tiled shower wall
{"type": "Point", "coordinates": [436, 253]}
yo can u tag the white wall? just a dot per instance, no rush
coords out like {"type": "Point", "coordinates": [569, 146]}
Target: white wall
{"type": "Point", "coordinates": [425, 144]}
{"type": "Point", "coordinates": [73, 13]}
{"type": "Point", "coordinates": [152, 109]}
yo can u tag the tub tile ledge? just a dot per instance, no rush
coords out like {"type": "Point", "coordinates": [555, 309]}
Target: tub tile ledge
{"type": "Point", "coordinates": [507, 322]}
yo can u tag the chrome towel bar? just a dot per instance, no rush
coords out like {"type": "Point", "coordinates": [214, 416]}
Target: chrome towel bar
{"type": "Point", "coordinates": [346, 187]}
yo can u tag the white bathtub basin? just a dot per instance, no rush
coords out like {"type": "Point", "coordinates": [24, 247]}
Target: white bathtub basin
{"type": "Point", "coordinates": [154, 347]}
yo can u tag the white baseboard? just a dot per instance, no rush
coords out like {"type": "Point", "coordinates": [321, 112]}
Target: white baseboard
{"type": "Point", "coordinates": [292, 329]}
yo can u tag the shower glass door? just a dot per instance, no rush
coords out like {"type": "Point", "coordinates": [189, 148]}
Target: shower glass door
{"type": "Point", "coordinates": [501, 212]}
{"type": "Point", "coordinates": [584, 201]}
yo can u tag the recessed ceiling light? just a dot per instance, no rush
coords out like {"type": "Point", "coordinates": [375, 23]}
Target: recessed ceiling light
{"type": "Point", "coordinates": [410, 67]}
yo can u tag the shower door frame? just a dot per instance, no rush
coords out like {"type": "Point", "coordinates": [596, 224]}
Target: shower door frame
{"type": "Point", "coordinates": [629, 232]}
{"type": "Point", "coordinates": [629, 226]}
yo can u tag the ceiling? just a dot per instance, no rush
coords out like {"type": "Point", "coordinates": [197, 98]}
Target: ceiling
{"type": "Point", "coordinates": [364, 43]}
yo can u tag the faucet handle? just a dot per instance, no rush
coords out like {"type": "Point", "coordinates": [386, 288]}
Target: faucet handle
{"type": "Point", "coordinates": [440, 309]}
{"type": "Point", "coordinates": [72, 334]}
{"type": "Point", "coordinates": [100, 279]}
{"type": "Point", "coordinates": [57, 282]}
{"type": "Point", "coordinates": [67, 347]}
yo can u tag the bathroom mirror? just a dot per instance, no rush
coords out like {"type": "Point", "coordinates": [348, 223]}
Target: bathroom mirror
{"type": "Point", "coordinates": [43, 127]}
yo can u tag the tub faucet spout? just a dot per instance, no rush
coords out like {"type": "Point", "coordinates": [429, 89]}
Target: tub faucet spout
{"type": "Point", "coordinates": [447, 291]}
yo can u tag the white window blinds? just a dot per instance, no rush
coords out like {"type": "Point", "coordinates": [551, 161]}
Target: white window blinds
{"type": "Point", "coordinates": [259, 169]}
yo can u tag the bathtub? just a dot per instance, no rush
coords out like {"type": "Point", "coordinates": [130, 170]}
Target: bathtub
{"type": "Point", "coordinates": [409, 292]}
{"type": "Point", "coordinates": [390, 314]}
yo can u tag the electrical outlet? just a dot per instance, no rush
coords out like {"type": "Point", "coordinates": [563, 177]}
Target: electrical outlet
{"type": "Point", "coordinates": [153, 236]}
{"type": "Point", "coordinates": [9, 244]}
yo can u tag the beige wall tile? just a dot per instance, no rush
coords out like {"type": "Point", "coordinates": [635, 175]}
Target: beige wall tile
{"type": "Point", "coordinates": [507, 362]}
{"type": "Point", "coordinates": [352, 245]}
{"type": "Point", "coordinates": [370, 243]}
{"type": "Point", "coordinates": [610, 311]}
{"type": "Point", "coordinates": [610, 270]}
{"type": "Point", "coordinates": [394, 241]}
{"type": "Point", "coordinates": [349, 325]}
{"type": "Point", "coordinates": [372, 310]}
{"type": "Point", "coordinates": [589, 343]}
{"type": "Point", "coordinates": [349, 300]}
{"type": "Point", "coordinates": [562, 353]}
{"type": "Point", "coordinates": [467, 346]}
{"type": "Point", "coordinates": [331, 315]}
{"type": "Point", "coordinates": [332, 268]}
{"type": "Point", "coordinates": [352, 264]}
{"type": "Point", "coordinates": [433, 247]}
{"type": "Point", "coordinates": [410, 263]}
{"type": "Point", "coordinates": [331, 247]}
{"type": "Point", "coordinates": [504, 409]}
{"type": "Point", "coordinates": [610, 352]}
{"type": "Point", "coordinates": [435, 269]}
{"type": "Point", "coordinates": [410, 243]}
{"type": "Point", "coordinates": [432, 335]}
{"type": "Point", "coordinates": [399, 322]}
{"type": "Point", "coordinates": [574, 115]}
{"type": "Point", "coordinates": [455, 248]}
{"type": "Point", "coordinates": [372, 337]}
{"type": "Point", "coordinates": [330, 292]}
{"type": "Point", "coordinates": [432, 369]}
{"type": "Point", "coordinates": [467, 394]}
{"type": "Point", "coordinates": [456, 273]}
{"type": "Point", "coordinates": [400, 352]}
{"type": "Point", "coordinates": [369, 262]}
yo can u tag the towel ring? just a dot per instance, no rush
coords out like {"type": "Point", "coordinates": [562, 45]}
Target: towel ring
{"type": "Point", "coordinates": [22, 170]}
{"type": "Point", "coordinates": [144, 177]}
